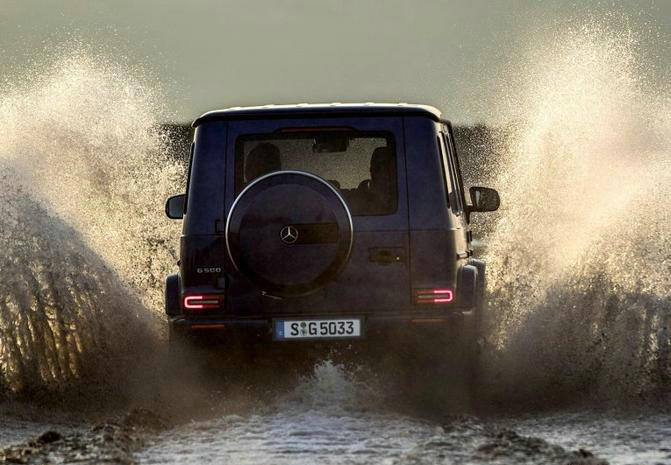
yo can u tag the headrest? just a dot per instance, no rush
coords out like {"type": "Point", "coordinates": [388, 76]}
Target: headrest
{"type": "Point", "coordinates": [381, 159]}
{"type": "Point", "coordinates": [262, 159]}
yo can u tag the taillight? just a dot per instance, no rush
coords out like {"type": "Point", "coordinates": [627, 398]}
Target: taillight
{"type": "Point", "coordinates": [199, 302]}
{"type": "Point", "coordinates": [433, 296]}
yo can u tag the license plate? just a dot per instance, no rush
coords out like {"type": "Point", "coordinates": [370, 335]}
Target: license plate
{"type": "Point", "coordinates": [332, 328]}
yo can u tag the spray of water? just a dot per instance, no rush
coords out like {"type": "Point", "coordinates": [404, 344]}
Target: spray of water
{"type": "Point", "coordinates": [82, 136]}
{"type": "Point", "coordinates": [84, 246]}
{"type": "Point", "coordinates": [580, 258]}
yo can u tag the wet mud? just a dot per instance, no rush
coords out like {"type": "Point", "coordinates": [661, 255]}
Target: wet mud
{"type": "Point", "coordinates": [113, 441]}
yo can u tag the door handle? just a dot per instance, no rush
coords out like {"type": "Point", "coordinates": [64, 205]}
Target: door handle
{"type": "Point", "coordinates": [386, 256]}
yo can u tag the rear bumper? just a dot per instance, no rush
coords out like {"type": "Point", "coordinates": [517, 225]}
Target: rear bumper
{"type": "Point", "coordinates": [373, 324]}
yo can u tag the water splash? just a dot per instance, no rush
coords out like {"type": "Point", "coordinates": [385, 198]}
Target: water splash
{"type": "Point", "coordinates": [84, 246]}
{"type": "Point", "coordinates": [331, 387]}
{"type": "Point", "coordinates": [82, 137]}
{"type": "Point", "coordinates": [580, 258]}
{"type": "Point", "coordinates": [579, 261]}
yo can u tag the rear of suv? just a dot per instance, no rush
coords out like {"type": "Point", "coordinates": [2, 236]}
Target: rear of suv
{"type": "Point", "coordinates": [325, 222]}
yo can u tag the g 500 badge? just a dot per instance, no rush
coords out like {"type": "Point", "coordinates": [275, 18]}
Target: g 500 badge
{"type": "Point", "coordinates": [208, 270]}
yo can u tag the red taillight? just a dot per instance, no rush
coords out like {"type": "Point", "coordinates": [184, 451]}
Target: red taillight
{"type": "Point", "coordinates": [198, 302]}
{"type": "Point", "coordinates": [434, 296]}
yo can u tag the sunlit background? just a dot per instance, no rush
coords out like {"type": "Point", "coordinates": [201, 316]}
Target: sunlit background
{"type": "Point", "coordinates": [217, 53]}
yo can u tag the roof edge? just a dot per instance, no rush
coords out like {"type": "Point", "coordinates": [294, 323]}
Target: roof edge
{"type": "Point", "coordinates": [304, 109]}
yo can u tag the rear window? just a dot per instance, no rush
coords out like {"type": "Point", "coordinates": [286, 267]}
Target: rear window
{"type": "Point", "coordinates": [360, 165]}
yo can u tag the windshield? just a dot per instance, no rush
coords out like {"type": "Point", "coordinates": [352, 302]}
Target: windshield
{"type": "Point", "coordinates": [360, 165]}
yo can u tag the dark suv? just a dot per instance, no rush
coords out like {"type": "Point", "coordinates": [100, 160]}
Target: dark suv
{"type": "Point", "coordinates": [311, 222]}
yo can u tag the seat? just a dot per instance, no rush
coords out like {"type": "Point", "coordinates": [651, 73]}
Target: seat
{"type": "Point", "coordinates": [376, 195]}
{"type": "Point", "coordinates": [262, 159]}
{"type": "Point", "coordinates": [382, 179]}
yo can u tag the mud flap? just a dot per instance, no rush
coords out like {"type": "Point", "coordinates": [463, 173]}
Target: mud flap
{"type": "Point", "coordinates": [468, 285]}
{"type": "Point", "coordinates": [172, 295]}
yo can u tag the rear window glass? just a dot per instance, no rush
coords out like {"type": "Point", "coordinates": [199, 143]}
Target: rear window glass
{"type": "Point", "coordinates": [360, 165]}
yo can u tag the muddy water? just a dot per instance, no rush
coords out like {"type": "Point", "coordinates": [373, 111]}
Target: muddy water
{"type": "Point", "coordinates": [331, 418]}
{"type": "Point", "coordinates": [579, 279]}
{"type": "Point", "coordinates": [326, 418]}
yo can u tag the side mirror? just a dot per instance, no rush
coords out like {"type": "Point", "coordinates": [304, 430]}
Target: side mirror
{"type": "Point", "coordinates": [484, 199]}
{"type": "Point", "coordinates": [174, 207]}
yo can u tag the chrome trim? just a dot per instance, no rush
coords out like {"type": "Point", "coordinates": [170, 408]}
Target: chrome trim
{"type": "Point", "coordinates": [276, 173]}
{"type": "Point", "coordinates": [289, 234]}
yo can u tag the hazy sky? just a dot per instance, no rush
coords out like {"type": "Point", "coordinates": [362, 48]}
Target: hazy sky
{"type": "Point", "coordinates": [215, 53]}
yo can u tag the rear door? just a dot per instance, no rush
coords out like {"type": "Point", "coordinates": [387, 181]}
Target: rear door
{"type": "Point", "coordinates": [376, 276]}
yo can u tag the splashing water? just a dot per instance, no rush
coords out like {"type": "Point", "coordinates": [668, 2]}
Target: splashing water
{"type": "Point", "coordinates": [83, 138]}
{"type": "Point", "coordinates": [580, 259]}
{"type": "Point", "coordinates": [84, 245]}
{"type": "Point", "coordinates": [327, 418]}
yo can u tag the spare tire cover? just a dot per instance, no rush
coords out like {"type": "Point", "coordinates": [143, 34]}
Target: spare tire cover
{"type": "Point", "coordinates": [289, 233]}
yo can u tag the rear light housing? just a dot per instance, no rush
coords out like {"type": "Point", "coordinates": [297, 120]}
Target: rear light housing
{"type": "Point", "coordinates": [434, 296]}
{"type": "Point", "coordinates": [196, 303]}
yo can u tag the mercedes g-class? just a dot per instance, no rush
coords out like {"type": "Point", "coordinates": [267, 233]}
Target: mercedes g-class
{"type": "Point", "coordinates": [325, 223]}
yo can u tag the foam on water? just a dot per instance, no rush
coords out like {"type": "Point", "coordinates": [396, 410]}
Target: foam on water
{"type": "Point", "coordinates": [580, 257]}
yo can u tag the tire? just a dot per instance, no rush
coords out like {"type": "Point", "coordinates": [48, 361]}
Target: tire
{"type": "Point", "coordinates": [192, 356]}
{"type": "Point", "coordinates": [450, 362]}
{"type": "Point", "coordinates": [172, 295]}
{"type": "Point", "coordinates": [289, 233]}
{"type": "Point", "coordinates": [433, 371]}
{"type": "Point", "coordinates": [481, 301]}
{"type": "Point", "coordinates": [179, 341]}
{"type": "Point", "coordinates": [479, 334]}
{"type": "Point", "coordinates": [202, 354]}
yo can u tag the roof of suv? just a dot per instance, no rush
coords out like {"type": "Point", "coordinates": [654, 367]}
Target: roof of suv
{"type": "Point", "coordinates": [305, 109]}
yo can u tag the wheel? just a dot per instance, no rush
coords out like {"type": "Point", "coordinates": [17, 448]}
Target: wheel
{"type": "Point", "coordinates": [289, 232]}
{"type": "Point", "coordinates": [430, 368]}
{"type": "Point", "coordinates": [183, 346]}
{"type": "Point", "coordinates": [479, 334]}
{"type": "Point", "coordinates": [178, 340]}
{"type": "Point", "coordinates": [209, 355]}
{"type": "Point", "coordinates": [171, 295]}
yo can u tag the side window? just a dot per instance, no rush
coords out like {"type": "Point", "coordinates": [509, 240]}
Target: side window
{"type": "Point", "coordinates": [448, 171]}
{"type": "Point", "coordinates": [188, 178]}
{"type": "Point", "coordinates": [457, 169]}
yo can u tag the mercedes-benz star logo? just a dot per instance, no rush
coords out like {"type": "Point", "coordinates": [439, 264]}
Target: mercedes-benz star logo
{"type": "Point", "coordinates": [289, 234]}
